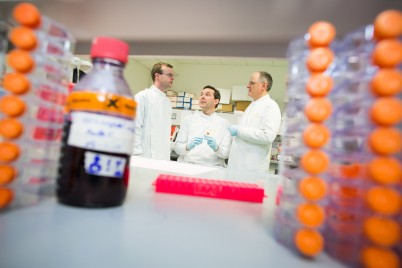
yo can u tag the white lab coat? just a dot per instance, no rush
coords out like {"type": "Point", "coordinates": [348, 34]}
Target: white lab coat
{"type": "Point", "coordinates": [258, 127]}
{"type": "Point", "coordinates": [153, 123]}
{"type": "Point", "coordinates": [198, 125]}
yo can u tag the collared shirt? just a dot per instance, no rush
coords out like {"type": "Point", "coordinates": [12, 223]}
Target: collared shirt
{"type": "Point", "coordinates": [198, 125]}
{"type": "Point", "coordinates": [153, 122]}
{"type": "Point", "coordinates": [258, 127]}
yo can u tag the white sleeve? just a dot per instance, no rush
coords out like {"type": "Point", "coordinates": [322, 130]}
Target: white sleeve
{"type": "Point", "coordinates": [182, 137]}
{"type": "Point", "coordinates": [140, 98]}
{"type": "Point", "coordinates": [267, 130]}
{"type": "Point", "coordinates": [226, 143]}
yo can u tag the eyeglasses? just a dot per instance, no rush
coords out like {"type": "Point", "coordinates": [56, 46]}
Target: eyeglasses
{"type": "Point", "coordinates": [254, 82]}
{"type": "Point", "coordinates": [169, 75]}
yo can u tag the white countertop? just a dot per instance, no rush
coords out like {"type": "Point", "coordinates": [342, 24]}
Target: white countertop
{"type": "Point", "coordinates": [151, 230]}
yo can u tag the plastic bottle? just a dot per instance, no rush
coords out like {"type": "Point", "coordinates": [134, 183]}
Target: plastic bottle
{"type": "Point", "coordinates": [98, 132]}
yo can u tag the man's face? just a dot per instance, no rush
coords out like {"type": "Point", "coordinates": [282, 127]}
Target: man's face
{"type": "Point", "coordinates": [256, 87]}
{"type": "Point", "coordinates": [166, 78]}
{"type": "Point", "coordinates": [207, 100]}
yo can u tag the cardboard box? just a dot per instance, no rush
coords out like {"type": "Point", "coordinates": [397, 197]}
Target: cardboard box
{"type": "Point", "coordinates": [183, 99]}
{"type": "Point", "coordinates": [181, 94]}
{"type": "Point", "coordinates": [242, 105]}
{"type": "Point", "coordinates": [226, 108]}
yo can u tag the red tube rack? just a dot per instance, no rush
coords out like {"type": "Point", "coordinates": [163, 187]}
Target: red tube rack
{"type": "Point", "coordinates": [240, 191]}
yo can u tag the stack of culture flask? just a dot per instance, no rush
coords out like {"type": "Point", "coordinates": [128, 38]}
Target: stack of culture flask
{"type": "Point", "coordinates": [32, 109]}
{"type": "Point", "coordinates": [362, 226]}
{"type": "Point", "coordinates": [364, 210]}
{"type": "Point", "coordinates": [300, 215]}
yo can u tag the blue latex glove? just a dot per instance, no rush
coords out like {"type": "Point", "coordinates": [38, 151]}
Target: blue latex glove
{"type": "Point", "coordinates": [233, 129]}
{"type": "Point", "coordinates": [212, 143]}
{"type": "Point", "coordinates": [194, 142]}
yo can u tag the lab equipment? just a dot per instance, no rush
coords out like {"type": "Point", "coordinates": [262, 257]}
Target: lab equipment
{"type": "Point", "coordinates": [31, 128]}
{"type": "Point", "coordinates": [98, 132]}
{"type": "Point", "coordinates": [300, 214]}
{"type": "Point", "coordinates": [241, 191]}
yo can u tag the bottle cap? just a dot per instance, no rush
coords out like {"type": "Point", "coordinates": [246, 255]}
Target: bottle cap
{"type": "Point", "coordinates": [386, 111]}
{"type": "Point", "coordinates": [12, 105]}
{"type": "Point", "coordinates": [319, 59]}
{"type": "Point", "coordinates": [311, 215]}
{"type": "Point", "coordinates": [315, 161]}
{"type": "Point", "coordinates": [313, 188]}
{"type": "Point", "coordinates": [316, 135]}
{"type": "Point", "coordinates": [16, 83]}
{"type": "Point", "coordinates": [384, 200]}
{"type": "Point", "coordinates": [348, 192]}
{"type": "Point", "coordinates": [6, 196]}
{"type": "Point", "coordinates": [382, 231]}
{"type": "Point", "coordinates": [387, 82]}
{"type": "Point", "coordinates": [319, 85]}
{"type": "Point", "coordinates": [321, 34]}
{"type": "Point", "coordinates": [309, 242]}
{"type": "Point", "coordinates": [348, 171]}
{"type": "Point", "coordinates": [23, 38]}
{"type": "Point", "coordinates": [11, 128]}
{"type": "Point", "coordinates": [388, 53]}
{"type": "Point", "coordinates": [7, 174]}
{"type": "Point", "coordinates": [386, 170]}
{"type": "Point", "coordinates": [20, 60]}
{"type": "Point", "coordinates": [373, 257]}
{"type": "Point", "coordinates": [27, 14]}
{"type": "Point", "coordinates": [318, 109]}
{"type": "Point", "coordinates": [385, 140]}
{"type": "Point", "coordinates": [8, 151]}
{"type": "Point", "coordinates": [388, 24]}
{"type": "Point", "coordinates": [106, 47]}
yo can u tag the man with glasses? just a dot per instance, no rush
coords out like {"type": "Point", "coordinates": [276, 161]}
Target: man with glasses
{"type": "Point", "coordinates": [203, 136]}
{"type": "Point", "coordinates": [153, 117]}
{"type": "Point", "coordinates": [257, 129]}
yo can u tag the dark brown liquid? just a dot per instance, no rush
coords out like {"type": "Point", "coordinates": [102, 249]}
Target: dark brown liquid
{"type": "Point", "coordinates": [78, 188]}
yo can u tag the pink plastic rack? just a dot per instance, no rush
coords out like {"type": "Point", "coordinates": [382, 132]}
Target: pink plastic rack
{"type": "Point", "coordinates": [241, 191]}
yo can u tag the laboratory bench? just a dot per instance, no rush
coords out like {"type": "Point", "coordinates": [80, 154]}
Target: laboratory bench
{"type": "Point", "coordinates": [152, 230]}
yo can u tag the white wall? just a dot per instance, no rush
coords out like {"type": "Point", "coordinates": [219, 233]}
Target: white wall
{"type": "Point", "coordinates": [194, 77]}
{"type": "Point", "coordinates": [137, 75]}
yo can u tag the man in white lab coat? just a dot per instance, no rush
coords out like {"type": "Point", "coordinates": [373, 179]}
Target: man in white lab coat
{"type": "Point", "coordinates": [257, 129]}
{"type": "Point", "coordinates": [153, 118]}
{"type": "Point", "coordinates": [203, 137]}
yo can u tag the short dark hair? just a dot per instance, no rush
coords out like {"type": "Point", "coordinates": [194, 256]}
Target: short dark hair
{"type": "Point", "coordinates": [266, 77]}
{"type": "Point", "coordinates": [217, 94]}
{"type": "Point", "coordinates": [157, 69]}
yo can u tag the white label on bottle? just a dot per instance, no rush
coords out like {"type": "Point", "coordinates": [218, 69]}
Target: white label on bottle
{"type": "Point", "coordinates": [104, 165]}
{"type": "Point", "coordinates": [101, 133]}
